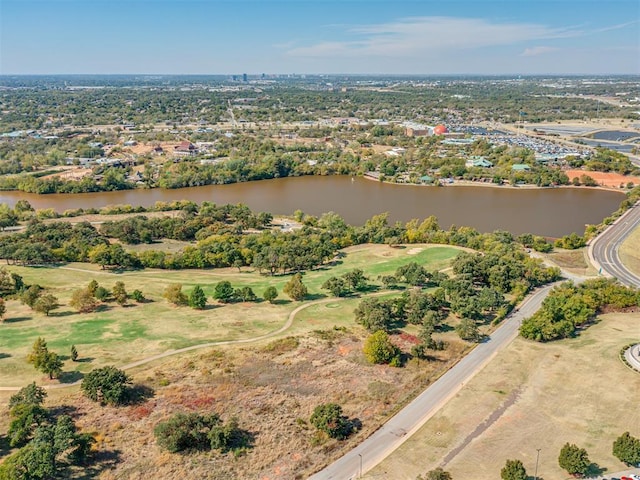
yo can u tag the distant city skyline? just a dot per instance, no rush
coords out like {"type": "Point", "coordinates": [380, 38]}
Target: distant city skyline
{"type": "Point", "coordinates": [320, 36]}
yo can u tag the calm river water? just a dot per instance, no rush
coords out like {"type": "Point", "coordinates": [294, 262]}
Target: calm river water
{"type": "Point", "coordinates": [550, 212]}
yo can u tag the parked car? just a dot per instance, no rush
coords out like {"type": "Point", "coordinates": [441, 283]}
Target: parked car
{"type": "Point", "coordinates": [635, 477]}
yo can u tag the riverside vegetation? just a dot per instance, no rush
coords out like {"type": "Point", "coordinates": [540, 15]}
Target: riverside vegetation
{"type": "Point", "coordinates": [409, 306]}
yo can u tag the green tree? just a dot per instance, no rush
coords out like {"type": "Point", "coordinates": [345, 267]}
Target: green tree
{"type": "Point", "coordinates": [295, 289]}
{"type": "Point", "coordinates": [374, 314]}
{"type": "Point", "coordinates": [25, 418]}
{"type": "Point", "coordinates": [224, 292]}
{"type": "Point", "coordinates": [337, 286]}
{"type": "Point", "coordinates": [436, 474]}
{"type": "Point", "coordinates": [93, 285]}
{"type": "Point", "coordinates": [379, 349]}
{"type": "Point", "coordinates": [120, 293]}
{"type": "Point", "coordinates": [31, 295]}
{"type": "Point", "coordinates": [355, 279]}
{"type": "Point", "coordinates": [627, 449]}
{"type": "Point", "coordinates": [74, 353]}
{"type": "Point", "coordinates": [138, 296]}
{"type": "Point", "coordinates": [270, 294]}
{"type": "Point", "coordinates": [468, 330]}
{"type": "Point", "coordinates": [29, 395]}
{"type": "Point", "coordinates": [102, 294]}
{"type": "Point", "coordinates": [46, 303]}
{"type": "Point", "coordinates": [38, 354]}
{"type": "Point", "coordinates": [83, 301]}
{"type": "Point", "coordinates": [53, 448]}
{"type": "Point", "coordinates": [574, 459]}
{"type": "Point", "coordinates": [328, 418]}
{"type": "Point", "coordinates": [3, 309]}
{"type": "Point", "coordinates": [245, 294]}
{"type": "Point", "coordinates": [52, 365]}
{"type": "Point", "coordinates": [513, 470]}
{"type": "Point", "coordinates": [197, 298]}
{"type": "Point", "coordinates": [174, 294]}
{"type": "Point", "coordinates": [107, 385]}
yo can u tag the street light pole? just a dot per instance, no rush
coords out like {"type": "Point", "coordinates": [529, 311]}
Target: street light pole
{"type": "Point", "coordinates": [360, 455]}
{"type": "Point", "coordinates": [537, 457]}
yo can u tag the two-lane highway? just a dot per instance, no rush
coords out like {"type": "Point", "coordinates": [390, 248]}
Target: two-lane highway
{"type": "Point", "coordinates": [604, 249]}
{"type": "Point", "coordinates": [603, 252]}
{"type": "Point", "coordinates": [393, 433]}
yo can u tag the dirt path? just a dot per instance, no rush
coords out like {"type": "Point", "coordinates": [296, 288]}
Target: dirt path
{"type": "Point", "coordinates": [480, 429]}
{"type": "Point", "coordinates": [170, 353]}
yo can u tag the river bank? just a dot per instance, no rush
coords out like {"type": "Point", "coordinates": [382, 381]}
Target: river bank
{"type": "Point", "coordinates": [603, 183]}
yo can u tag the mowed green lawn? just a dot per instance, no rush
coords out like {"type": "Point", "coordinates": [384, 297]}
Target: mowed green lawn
{"type": "Point", "coordinates": [120, 335]}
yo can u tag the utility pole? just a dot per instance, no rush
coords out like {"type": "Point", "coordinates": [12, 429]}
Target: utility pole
{"type": "Point", "coordinates": [537, 458]}
{"type": "Point", "coordinates": [360, 455]}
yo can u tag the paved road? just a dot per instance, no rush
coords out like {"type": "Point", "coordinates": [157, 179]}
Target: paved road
{"type": "Point", "coordinates": [393, 433]}
{"type": "Point", "coordinates": [603, 250]}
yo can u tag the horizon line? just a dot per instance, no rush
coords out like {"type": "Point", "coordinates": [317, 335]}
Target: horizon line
{"type": "Point", "coordinates": [326, 74]}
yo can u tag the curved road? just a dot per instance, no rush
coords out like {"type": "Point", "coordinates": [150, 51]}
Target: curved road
{"type": "Point", "coordinates": [603, 250]}
{"type": "Point", "coordinates": [399, 428]}
{"type": "Point", "coordinates": [603, 253]}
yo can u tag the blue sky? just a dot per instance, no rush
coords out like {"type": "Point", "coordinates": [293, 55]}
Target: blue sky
{"type": "Point", "coordinates": [320, 36]}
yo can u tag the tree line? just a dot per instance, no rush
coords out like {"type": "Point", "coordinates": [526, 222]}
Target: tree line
{"type": "Point", "coordinates": [228, 236]}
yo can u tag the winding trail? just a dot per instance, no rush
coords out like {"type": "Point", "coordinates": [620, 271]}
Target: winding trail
{"type": "Point", "coordinates": [169, 353]}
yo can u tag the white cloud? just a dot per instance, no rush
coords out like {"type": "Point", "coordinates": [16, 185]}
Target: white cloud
{"type": "Point", "coordinates": [432, 35]}
{"type": "Point", "coordinates": [535, 51]}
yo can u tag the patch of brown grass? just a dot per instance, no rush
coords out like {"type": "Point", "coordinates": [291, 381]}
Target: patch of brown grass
{"type": "Point", "coordinates": [630, 251]}
{"type": "Point", "coordinates": [575, 390]}
{"type": "Point", "coordinates": [273, 395]}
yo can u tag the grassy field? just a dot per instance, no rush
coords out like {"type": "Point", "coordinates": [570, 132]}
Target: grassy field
{"type": "Point", "coordinates": [532, 396]}
{"type": "Point", "coordinates": [119, 335]}
{"type": "Point", "coordinates": [574, 261]}
{"type": "Point", "coordinates": [630, 253]}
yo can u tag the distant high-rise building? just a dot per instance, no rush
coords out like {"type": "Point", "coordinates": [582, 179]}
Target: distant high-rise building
{"type": "Point", "coordinates": [244, 77]}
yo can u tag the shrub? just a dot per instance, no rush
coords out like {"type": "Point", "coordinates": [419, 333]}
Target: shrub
{"type": "Point", "coordinates": [173, 293]}
{"type": "Point", "coordinates": [102, 293]}
{"type": "Point", "coordinates": [185, 431]}
{"type": "Point", "coordinates": [193, 431]}
{"type": "Point", "coordinates": [379, 349]}
{"type": "Point", "coordinates": [83, 301]}
{"type": "Point", "coordinates": [107, 385]}
{"type": "Point", "coordinates": [138, 296]}
{"type": "Point", "coordinates": [328, 418]}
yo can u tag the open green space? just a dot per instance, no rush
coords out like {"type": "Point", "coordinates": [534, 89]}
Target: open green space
{"type": "Point", "coordinates": [120, 335]}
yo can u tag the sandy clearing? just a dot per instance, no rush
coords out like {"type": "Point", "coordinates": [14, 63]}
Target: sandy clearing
{"type": "Point", "coordinates": [607, 179]}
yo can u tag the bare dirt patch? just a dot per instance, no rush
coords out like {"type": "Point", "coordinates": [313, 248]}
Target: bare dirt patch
{"type": "Point", "coordinates": [70, 173]}
{"type": "Point", "coordinates": [606, 179]}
